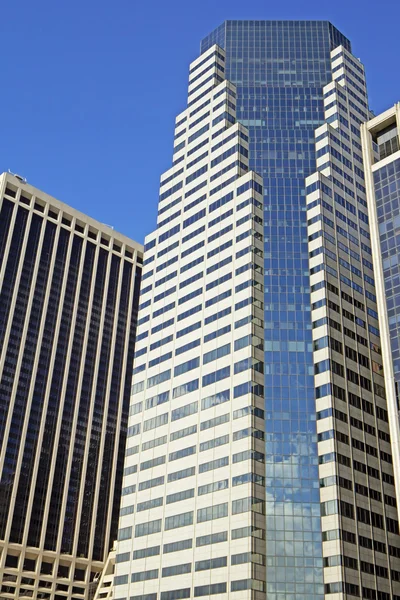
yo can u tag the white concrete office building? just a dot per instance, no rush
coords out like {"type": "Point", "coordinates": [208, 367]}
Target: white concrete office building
{"type": "Point", "coordinates": [192, 518]}
{"type": "Point", "coordinates": [360, 528]}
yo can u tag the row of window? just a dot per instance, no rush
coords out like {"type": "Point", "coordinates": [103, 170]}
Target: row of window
{"type": "Point", "coordinates": [195, 326]}
{"type": "Point", "coordinates": [196, 217]}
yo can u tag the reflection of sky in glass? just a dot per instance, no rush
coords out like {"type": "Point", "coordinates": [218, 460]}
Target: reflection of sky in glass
{"type": "Point", "coordinates": [279, 68]}
{"type": "Point", "coordinates": [387, 194]}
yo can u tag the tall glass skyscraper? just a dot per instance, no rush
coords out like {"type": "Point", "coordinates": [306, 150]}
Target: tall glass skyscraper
{"type": "Point", "coordinates": [279, 69]}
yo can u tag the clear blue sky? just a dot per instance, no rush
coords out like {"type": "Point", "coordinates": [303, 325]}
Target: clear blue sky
{"type": "Point", "coordinates": [90, 89]}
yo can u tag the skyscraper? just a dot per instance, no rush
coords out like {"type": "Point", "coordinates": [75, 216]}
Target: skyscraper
{"type": "Point", "coordinates": [320, 517]}
{"type": "Point", "coordinates": [279, 69]}
{"type": "Point", "coordinates": [194, 469]}
{"type": "Point", "coordinates": [360, 528]}
{"type": "Point", "coordinates": [69, 288]}
{"type": "Point", "coordinates": [381, 150]}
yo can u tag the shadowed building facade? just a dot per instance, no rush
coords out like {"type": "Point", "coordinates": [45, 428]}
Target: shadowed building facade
{"type": "Point", "coordinates": [279, 69]}
{"type": "Point", "coordinates": [234, 489]}
{"type": "Point", "coordinates": [68, 303]}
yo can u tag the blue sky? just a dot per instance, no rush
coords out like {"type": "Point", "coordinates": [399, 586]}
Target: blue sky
{"type": "Point", "coordinates": [91, 88]}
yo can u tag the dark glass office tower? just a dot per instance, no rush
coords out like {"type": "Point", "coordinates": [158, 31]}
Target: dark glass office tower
{"type": "Point", "coordinates": [69, 288]}
{"type": "Point", "coordinates": [279, 69]}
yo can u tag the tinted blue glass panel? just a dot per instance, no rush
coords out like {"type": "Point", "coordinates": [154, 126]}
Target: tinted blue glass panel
{"type": "Point", "coordinates": [280, 68]}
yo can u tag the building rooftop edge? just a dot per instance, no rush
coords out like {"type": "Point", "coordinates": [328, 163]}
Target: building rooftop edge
{"type": "Point", "coordinates": [74, 212]}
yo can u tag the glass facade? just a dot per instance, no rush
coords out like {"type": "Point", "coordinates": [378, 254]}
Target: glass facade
{"type": "Point", "coordinates": [387, 195]}
{"type": "Point", "coordinates": [279, 69]}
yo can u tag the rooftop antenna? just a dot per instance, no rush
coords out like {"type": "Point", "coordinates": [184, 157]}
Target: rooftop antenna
{"type": "Point", "coordinates": [22, 179]}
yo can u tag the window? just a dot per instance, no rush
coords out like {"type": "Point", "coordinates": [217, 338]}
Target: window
{"type": "Point", "coordinates": [154, 443]}
{"type": "Point", "coordinates": [215, 443]}
{"type": "Point", "coordinates": [216, 376]}
{"type": "Point", "coordinates": [252, 410]}
{"type": "Point", "coordinates": [127, 510]}
{"type": "Point", "coordinates": [144, 575]}
{"type": "Point", "coordinates": [214, 538]}
{"type": "Point", "coordinates": [210, 513]}
{"type": "Point", "coordinates": [213, 487]}
{"type": "Point", "coordinates": [177, 570]}
{"type": "Point", "coordinates": [216, 399]}
{"type": "Point", "coordinates": [214, 334]}
{"type": "Point", "coordinates": [179, 496]}
{"type": "Point", "coordinates": [187, 347]}
{"type": "Point", "coordinates": [146, 552]}
{"type": "Point", "coordinates": [175, 594]}
{"type": "Point", "coordinates": [125, 533]}
{"type": "Point", "coordinates": [248, 455]}
{"type": "Point", "coordinates": [148, 528]}
{"type": "Point", "coordinates": [185, 388]}
{"type": "Point", "coordinates": [154, 462]}
{"type": "Point", "coordinates": [186, 366]}
{"type": "Point", "coordinates": [157, 379]}
{"type": "Point", "coordinates": [218, 281]}
{"type": "Point", "coordinates": [181, 520]}
{"type": "Point", "coordinates": [133, 430]}
{"type": "Point", "coordinates": [247, 504]}
{"type": "Point", "coordinates": [190, 312]}
{"type": "Point", "coordinates": [192, 264]}
{"type": "Point", "coordinates": [177, 546]}
{"type": "Point", "coordinates": [137, 387]}
{"type": "Point", "coordinates": [177, 435]}
{"type": "Point", "coordinates": [123, 557]}
{"type": "Point", "coordinates": [181, 474]}
{"type": "Point", "coordinates": [188, 329]}
{"type": "Point", "coordinates": [248, 478]}
{"type": "Point", "coordinates": [219, 265]}
{"type": "Point", "coordinates": [161, 342]}
{"type": "Point", "coordinates": [170, 232]}
{"type": "Point", "coordinates": [156, 400]}
{"type": "Point", "coordinates": [214, 464]}
{"type": "Point", "coordinates": [134, 409]}
{"type": "Point", "coordinates": [160, 359]}
{"type": "Point", "coordinates": [248, 584]}
{"type": "Point", "coordinates": [248, 388]}
{"type": "Point", "coordinates": [217, 353]}
{"type": "Point", "coordinates": [150, 483]}
{"type": "Point", "coordinates": [209, 590]}
{"type": "Point", "coordinates": [155, 422]}
{"type": "Point", "coordinates": [130, 470]}
{"type": "Point", "coordinates": [214, 422]}
{"type": "Point", "coordinates": [182, 453]}
{"type": "Point", "coordinates": [149, 504]}
{"type": "Point", "coordinates": [219, 249]}
{"type": "Point", "coordinates": [196, 217]}
{"type": "Point", "coordinates": [132, 450]}
{"type": "Point", "coordinates": [213, 563]}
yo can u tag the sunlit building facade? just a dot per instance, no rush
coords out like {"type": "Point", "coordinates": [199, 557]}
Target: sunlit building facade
{"type": "Point", "coordinates": [193, 498]}
{"type": "Point", "coordinates": [324, 525]}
